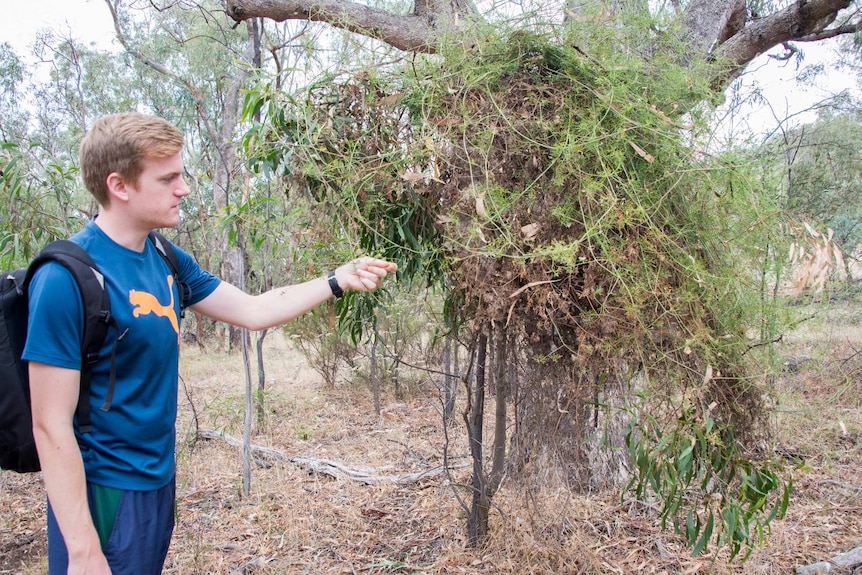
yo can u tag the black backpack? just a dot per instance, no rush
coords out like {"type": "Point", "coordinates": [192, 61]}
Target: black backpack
{"type": "Point", "coordinates": [17, 447]}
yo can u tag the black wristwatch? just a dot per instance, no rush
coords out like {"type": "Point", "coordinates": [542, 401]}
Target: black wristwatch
{"type": "Point", "coordinates": [333, 285]}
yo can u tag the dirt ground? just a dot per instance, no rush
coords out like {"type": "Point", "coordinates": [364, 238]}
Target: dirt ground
{"type": "Point", "coordinates": [300, 522]}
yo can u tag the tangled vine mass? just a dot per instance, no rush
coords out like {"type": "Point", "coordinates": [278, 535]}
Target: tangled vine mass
{"type": "Point", "coordinates": [562, 206]}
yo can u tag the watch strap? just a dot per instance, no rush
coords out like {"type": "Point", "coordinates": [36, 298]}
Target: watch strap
{"type": "Point", "coordinates": [333, 285]}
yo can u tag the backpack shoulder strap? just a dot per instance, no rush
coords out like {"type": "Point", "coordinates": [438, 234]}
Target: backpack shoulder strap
{"type": "Point", "coordinates": [97, 314]}
{"type": "Point", "coordinates": [166, 250]}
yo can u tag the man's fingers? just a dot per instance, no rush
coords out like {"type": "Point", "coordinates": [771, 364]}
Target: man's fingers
{"type": "Point", "coordinates": [377, 270]}
{"type": "Point", "coordinates": [376, 263]}
{"type": "Point", "coordinates": [368, 271]}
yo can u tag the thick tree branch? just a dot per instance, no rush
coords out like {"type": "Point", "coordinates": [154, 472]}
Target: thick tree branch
{"type": "Point", "coordinates": [798, 21]}
{"type": "Point", "coordinates": [735, 22]}
{"type": "Point", "coordinates": [417, 32]}
{"type": "Point", "coordinates": [832, 33]}
{"type": "Point", "coordinates": [715, 30]}
{"type": "Point", "coordinates": [707, 22]}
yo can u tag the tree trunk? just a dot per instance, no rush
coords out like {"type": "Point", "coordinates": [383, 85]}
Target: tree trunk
{"type": "Point", "coordinates": [222, 138]}
{"type": "Point", "coordinates": [477, 519]}
{"type": "Point", "coordinates": [249, 410]}
{"type": "Point", "coordinates": [233, 264]}
{"type": "Point", "coordinates": [450, 380]}
{"type": "Point", "coordinates": [704, 21]}
{"type": "Point", "coordinates": [261, 381]}
{"type": "Point", "coordinates": [501, 362]}
{"type": "Point", "coordinates": [570, 423]}
{"type": "Point", "coordinates": [485, 484]}
{"type": "Point", "coordinates": [372, 373]}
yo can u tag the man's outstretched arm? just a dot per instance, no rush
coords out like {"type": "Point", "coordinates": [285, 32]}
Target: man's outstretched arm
{"type": "Point", "coordinates": [281, 305]}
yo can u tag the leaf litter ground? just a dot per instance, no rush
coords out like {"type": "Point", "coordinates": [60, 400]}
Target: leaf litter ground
{"type": "Point", "coordinates": [298, 522]}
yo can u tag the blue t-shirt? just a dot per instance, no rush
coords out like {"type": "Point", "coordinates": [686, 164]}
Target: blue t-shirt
{"type": "Point", "coordinates": [131, 445]}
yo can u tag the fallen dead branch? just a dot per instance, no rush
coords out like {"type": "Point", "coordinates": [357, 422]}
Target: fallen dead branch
{"type": "Point", "coordinates": [849, 560]}
{"type": "Point", "coordinates": [266, 455]}
{"type": "Point", "coordinates": [839, 484]}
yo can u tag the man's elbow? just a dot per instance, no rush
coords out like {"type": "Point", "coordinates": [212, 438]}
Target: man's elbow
{"type": "Point", "coordinates": [258, 323]}
{"type": "Point", "coordinates": [47, 432]}
{"type": "Point", "coordinates": [51, 427]}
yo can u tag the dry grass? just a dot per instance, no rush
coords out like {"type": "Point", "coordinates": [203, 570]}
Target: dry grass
{"type": "Point", "coordinates": [295, 522]}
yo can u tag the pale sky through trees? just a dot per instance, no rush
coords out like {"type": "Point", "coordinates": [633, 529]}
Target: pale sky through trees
{"type": "Point", "coordinates": [87, 20]}
{"type": "Point", "coordinates": [90, 22]}
{"type": "Point", "coordinates": [785, 94]}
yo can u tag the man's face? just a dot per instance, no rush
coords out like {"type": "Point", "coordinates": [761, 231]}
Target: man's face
{"type": "Point", "coordinates": [155, 198]}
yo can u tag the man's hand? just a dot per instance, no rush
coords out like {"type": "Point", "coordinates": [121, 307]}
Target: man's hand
{"type": "Point", "coordinates": [363, 274]}
{"type": "Point", "coordinates": [92, 565]}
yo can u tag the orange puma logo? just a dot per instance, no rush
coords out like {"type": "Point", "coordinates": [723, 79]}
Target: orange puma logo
{"type": "Point", "coordinates": [147, 303]}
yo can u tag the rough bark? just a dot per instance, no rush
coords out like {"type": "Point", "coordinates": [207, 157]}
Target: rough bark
{"type": "Point", "coordinates": [260, 396]}
{"type": "Point", "coordinates": [503, 360]}
{"type": "Point", "coordinates": [450, 381]}
{"type": "Point", "coordinates": [705, 22]}
{"type": "Point", "coordinates": [416, 32]}
{"type": "Point", "coordinates": [588, 449]}
{"type": "Point", "coordinates": [246, 428]}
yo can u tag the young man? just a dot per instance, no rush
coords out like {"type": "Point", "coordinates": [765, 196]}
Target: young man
{"type": "Point", "coordinates": [111, 491]}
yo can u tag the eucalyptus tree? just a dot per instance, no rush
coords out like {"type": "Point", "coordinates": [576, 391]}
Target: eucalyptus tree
{"type": "Point", "coordinates": [527, 166]}
{"type": "Point", "coordinates": [49, 107]}
{"type": "Point", "coordinates": [13, 119]}
{"type": "Point", "coordinates": [822, 182]}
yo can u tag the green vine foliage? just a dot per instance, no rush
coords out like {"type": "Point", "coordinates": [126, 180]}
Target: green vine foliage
{"type": "Point", "coordinates": [562, 196]}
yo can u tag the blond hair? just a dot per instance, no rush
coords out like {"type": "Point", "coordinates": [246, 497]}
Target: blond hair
{"type": "Point", "coordinates": [120, 143]}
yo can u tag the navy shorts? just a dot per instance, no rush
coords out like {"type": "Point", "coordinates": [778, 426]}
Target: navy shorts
{"type": "Point", "coordinates": [135, 528]}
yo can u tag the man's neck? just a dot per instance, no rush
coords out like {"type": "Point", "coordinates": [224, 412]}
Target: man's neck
{"type": "Point", "coordinates": [119, 230]}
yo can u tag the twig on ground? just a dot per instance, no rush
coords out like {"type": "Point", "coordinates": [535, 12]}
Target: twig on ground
{"type": "Point", "coordinates": [250, 566]}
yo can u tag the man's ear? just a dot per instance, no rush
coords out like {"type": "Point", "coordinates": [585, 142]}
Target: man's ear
{"type": "Point", "coordinates": [117, 187]}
